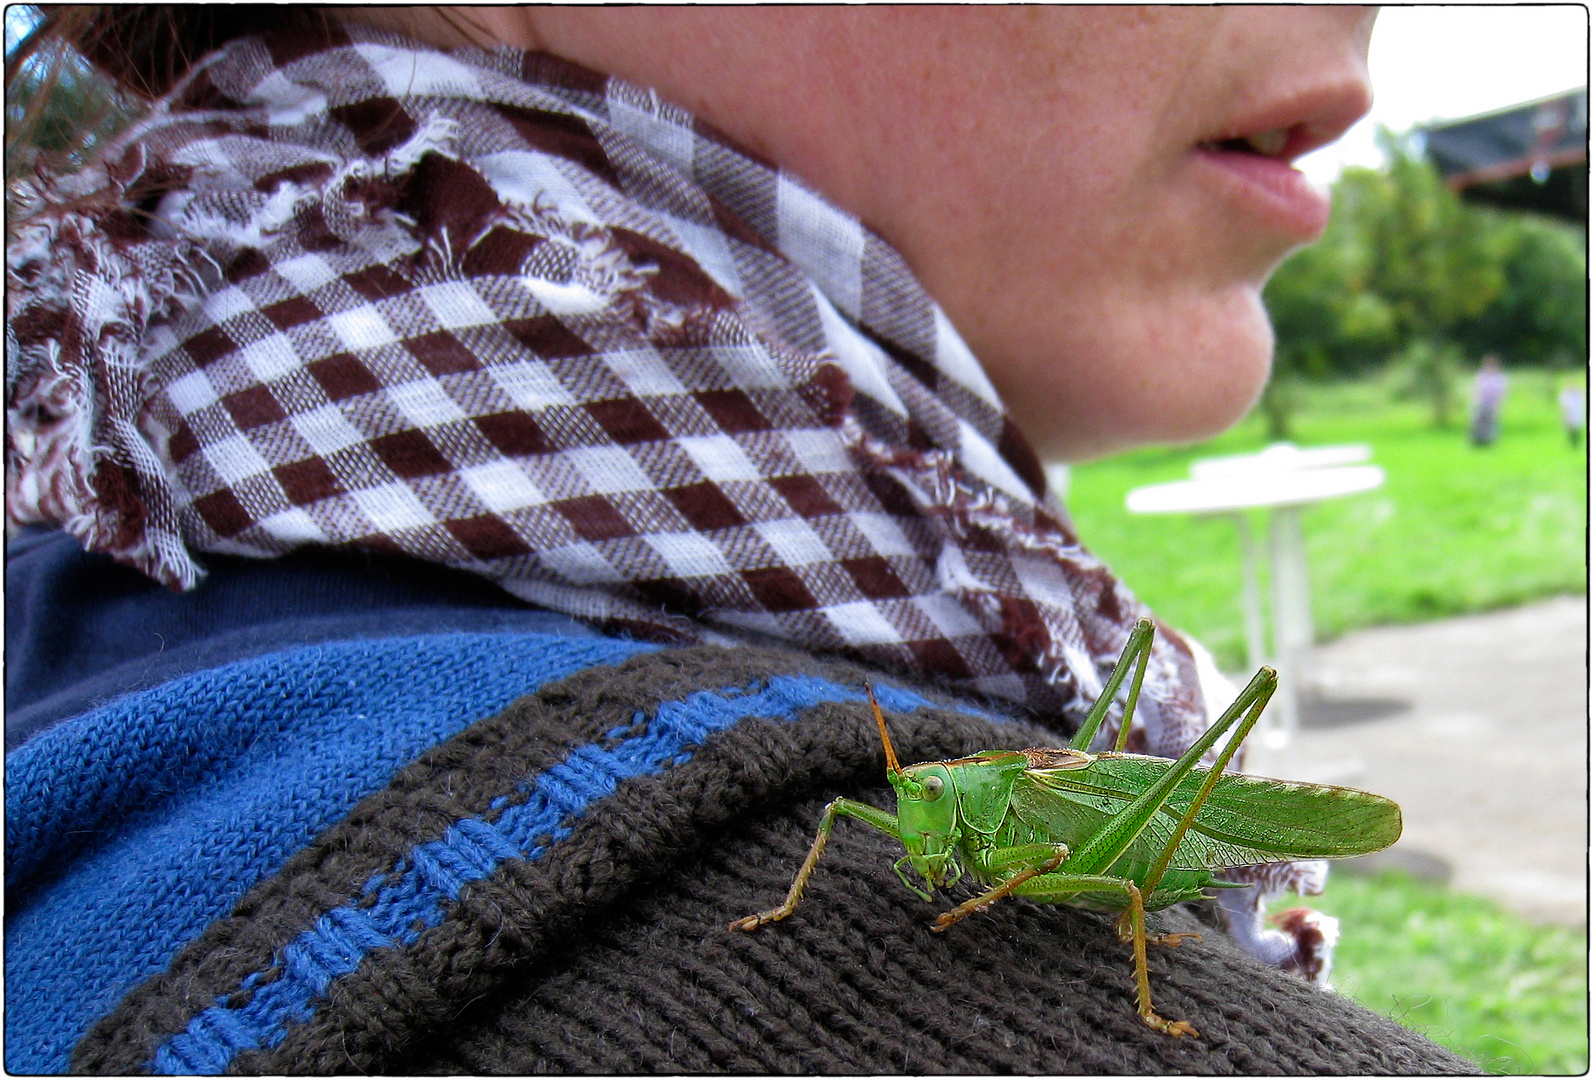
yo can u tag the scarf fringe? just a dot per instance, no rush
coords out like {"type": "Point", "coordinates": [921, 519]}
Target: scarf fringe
{"type": "Point", "coordinates": [75, 454]}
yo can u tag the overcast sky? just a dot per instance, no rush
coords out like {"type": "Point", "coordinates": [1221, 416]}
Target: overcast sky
{"type": "Point", "coordinates": [1443, 63]}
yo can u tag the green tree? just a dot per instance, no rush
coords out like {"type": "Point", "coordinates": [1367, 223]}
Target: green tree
{"type": "Point", "coordinates": [1325, 313]}
{"type": "Point", "coordinates": [1429, 369]}
{"type": "Point", "coordinates": [1540, 316]}
{"type": "Point", "coordinates": [1436, 262]}
{"type": "Point", "coordinates": [1407, 272]}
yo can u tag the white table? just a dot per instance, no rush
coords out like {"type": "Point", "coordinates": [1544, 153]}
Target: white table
{"type": "Point", "coordinates": [1282, 480]}
{"type": "Point", "coordinates": [1279, 457]}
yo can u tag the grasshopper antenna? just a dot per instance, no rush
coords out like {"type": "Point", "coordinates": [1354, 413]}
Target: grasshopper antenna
{"type": "Point", "coordinates": [891, 764]}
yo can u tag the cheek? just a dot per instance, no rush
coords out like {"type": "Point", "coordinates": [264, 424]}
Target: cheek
{"type": "Point", "coordinates": [1152, 369]}
{"type": "Point", "coordinates": [1138, 323]}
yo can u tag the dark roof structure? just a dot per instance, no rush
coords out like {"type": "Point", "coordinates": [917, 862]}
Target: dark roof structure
{"type": "Point", "coordinates": [1527, 157]}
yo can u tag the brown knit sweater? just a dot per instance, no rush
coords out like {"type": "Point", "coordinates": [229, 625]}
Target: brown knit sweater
{"type": "Point", "coordinates": [606, 950]}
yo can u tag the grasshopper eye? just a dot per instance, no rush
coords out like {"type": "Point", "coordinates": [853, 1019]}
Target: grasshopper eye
{"type": "Point", "coordinates": [933, 787]}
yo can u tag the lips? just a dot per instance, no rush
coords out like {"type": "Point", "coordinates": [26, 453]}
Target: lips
{"type": "Point", "coordinates": [1253, 157]}
{"type": "Point", "coordinates": [1271, 190]}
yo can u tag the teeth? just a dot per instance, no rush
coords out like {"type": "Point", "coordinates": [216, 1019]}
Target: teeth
{"type": "Point", "coordinates": [1268, 143]}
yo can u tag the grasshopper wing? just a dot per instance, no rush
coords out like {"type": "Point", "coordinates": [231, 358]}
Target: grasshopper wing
{"type": "Point", "coordinates": [1245, 820]}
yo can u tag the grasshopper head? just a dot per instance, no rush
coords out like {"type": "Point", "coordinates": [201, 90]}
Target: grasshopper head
{"type": "Point", "coordinates": [926, 811]}
{"type": "Point", "coordinates": [926, 815]}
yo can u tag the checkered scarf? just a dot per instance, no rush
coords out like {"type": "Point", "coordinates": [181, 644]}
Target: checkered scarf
{"type": "Point", "coordinates": [500, 313]}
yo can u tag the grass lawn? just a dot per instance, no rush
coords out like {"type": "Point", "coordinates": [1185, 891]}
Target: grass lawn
{"type": "Point", "coordinates": [1456, 529]}
{"type": "Point", "coordinates": [1507, 994]}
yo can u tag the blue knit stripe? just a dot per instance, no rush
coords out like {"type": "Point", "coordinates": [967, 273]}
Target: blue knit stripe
{"type": "Point", "coordinates": [99, 768]}
{"type": "Point", "coordinates": [414, 896]}
{"type": "Point", "coordinates": [148, 818]}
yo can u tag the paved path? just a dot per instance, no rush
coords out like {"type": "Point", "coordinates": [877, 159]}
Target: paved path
{"type": "Point", "coordinates": [1478, 728]}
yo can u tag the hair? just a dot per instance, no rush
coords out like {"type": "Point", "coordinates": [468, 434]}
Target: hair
{"type": "Point", "coordinates": [145, 50]}
{"type": "Point", "coordinates": [136, 54]}
{"type": "Point", "coordinates": [83, 72]}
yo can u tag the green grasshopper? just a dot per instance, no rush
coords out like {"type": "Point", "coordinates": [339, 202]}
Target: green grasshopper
{"type": "Point", "coordinates": [1112, 831]}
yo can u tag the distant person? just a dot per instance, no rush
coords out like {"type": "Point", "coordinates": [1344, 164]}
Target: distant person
{"type": "Point", "coordinates": [1486, 397]}
{"type": "Point", "coordinates": [1573, 411]}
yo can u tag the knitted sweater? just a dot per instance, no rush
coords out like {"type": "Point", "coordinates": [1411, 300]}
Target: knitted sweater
{"type": "Point", "coordinates": [519, 850]}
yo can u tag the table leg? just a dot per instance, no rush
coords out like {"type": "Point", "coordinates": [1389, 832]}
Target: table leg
{"type": "Point", "coordinates": [1285, 535]}
{"type": "Point", "coordinates": [1255, 629]}
{"type": "Point", "coordinates": [1301, 630]}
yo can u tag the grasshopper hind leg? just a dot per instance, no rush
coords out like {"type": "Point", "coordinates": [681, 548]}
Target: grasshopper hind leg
{"type": "Point", "coordinates": [1135, 913]}
{"type": "Point", "coordinates": [1060, 888]}
{"type": "Point", "coordinates": [1125, 933]}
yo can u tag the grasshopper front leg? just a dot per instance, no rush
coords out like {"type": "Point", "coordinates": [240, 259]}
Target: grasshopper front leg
{"type": "Point", "coordinates": [1029, 860]}
{"type": "Point", "coordinates": [883, 820]}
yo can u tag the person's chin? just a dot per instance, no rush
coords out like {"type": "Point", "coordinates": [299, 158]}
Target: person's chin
{"type": "Point", "coordinates": [1160, 374]}
{"type": "Point", "coordinates": [1224, 358]}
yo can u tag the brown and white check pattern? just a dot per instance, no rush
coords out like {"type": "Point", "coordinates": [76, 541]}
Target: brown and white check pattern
{"type": "Point", "coordinates": [500, 313]}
